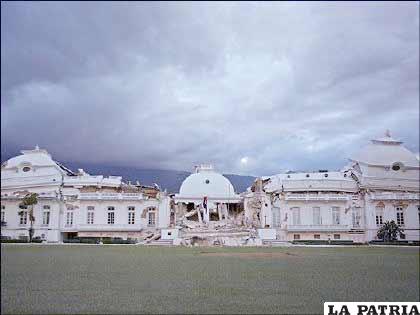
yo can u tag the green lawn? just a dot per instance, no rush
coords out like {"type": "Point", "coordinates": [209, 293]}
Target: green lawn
{"type": "Point", "coordinates": [137, 279]}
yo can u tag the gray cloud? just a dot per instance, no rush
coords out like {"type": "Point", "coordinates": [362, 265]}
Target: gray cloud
{"type": "Point", "coordinates": [169, 85]}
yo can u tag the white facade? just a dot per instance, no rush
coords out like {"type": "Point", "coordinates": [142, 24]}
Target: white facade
{"type": "Point", "coordinates": [71, 205]}
{"type": "Point", "coordinates": [380, 184]}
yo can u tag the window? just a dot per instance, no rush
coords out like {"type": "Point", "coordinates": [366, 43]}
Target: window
{"type": "Point", "coordinates": [317, 236]}
{"type": "Point", "coordinates": [337, 236]}
{"type": "Point", "coordinates": [131, 218]}
{"type": "Point", "coordinates": [26, 169]}
{"type": "Point", "coordinates": [356, 216]}
{"type": "Point", "coordinates": [316, 215]}
{"type": "Point", "coordinates": [69, 219]}
{"type": "Point", "coordinates": [111, 208]}
{"type": "Point", "coordinates": [296, 216]}
{"type": "Point", "coordinates": [3, 213]}
{"type": "Point", "coordinates": [400, 216]}
{"type": "Point", "coordinates": [131, 215]}
{"type": "Point", "coordinates": [90, 214]}
{"type": "Point", "coordinates": [152, 219]}
{"type": "Point", "coordinates": [207, 181]}
{"type": "Point", "coordinates": [418, 210]}
{"type": "Point", "coordinates": [379, 215]}
{"type": "Point", "coordinates": [46, 217]}
{"type": "Point", "coordinates": [397, 166]}
{"type": "Point", "coordinates": [335, 215]}
{"type": "Point", "coordinates": [90, 217]}
{"type": "Point", "coordinates": [47, 207]}
{"type": "Point", "coordinates": [111, 217]}
{"type": "Point", "coordinates": [23, 216]}
{"type": "Point", "coordinates": [296, 236]}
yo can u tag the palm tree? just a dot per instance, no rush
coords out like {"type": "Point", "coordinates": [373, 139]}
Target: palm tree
{"type": "Point", "coordinates": [389, 231]}
{"type": "Point", "coordinates": [29, 201]}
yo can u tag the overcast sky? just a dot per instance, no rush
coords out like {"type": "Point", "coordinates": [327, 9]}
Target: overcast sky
{"type": "Point", "coordinates": [253, 88]}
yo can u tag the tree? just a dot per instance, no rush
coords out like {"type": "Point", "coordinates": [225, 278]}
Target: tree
{"type": "Point", "coordinates": [389, 231]}
{"type": "Point", "coordinates": [29, 201]}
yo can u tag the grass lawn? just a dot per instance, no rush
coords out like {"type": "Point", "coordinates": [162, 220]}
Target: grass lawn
{"type": "Point", "coordinates": [137, 279]}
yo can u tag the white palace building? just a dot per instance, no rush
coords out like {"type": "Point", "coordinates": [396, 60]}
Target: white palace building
{"type": "Point", "coordinates": [380, 184]}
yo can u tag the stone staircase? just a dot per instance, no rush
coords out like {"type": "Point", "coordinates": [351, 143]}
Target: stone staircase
{"type": "Point", "coordinates": [276, 243]}
{"type": "Point", "coordinates": [160, 242]}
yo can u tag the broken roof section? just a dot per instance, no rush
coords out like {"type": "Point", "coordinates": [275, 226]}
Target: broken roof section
{"type": "Point", "coordinates": [340, 181]}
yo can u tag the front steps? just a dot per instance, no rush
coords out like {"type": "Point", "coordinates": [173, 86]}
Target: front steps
{"type": "Point", "coordinates": [276, 243]}
{"type": "Point", "coordinates": [161, 242]}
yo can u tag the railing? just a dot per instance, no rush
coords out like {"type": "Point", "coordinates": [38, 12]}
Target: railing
{"type": "Point", "coordinates": [394, 196]}
{"type": "Point", "coordinates": [40, 196]}
{"type": "Point", "coordinates": [111, 196]}
{"type": "Point", "coordinates": [311, 228]}
{"type": "Point", "coordinates": [310, 197]}
{"type": "Point", "coordinates": [108, 227]}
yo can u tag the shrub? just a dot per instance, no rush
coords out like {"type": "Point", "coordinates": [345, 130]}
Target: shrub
{"type": "Point", "coordinates": [400, 243]}
{"type": "Point", "coordinates": [326, 242]}
{"type": "Point", "coordinates": [74, 240]}
{"type": "Point", "coordinates": [13, 241]}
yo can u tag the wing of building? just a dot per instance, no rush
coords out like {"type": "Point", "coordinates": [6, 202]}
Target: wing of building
{"type": "Point", "coordinates": [381, 183]}
{"type": "Point", "coordinates": [75, 204]}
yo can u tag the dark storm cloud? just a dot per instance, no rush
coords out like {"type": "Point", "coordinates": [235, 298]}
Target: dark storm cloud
{"type": "Point", "coordinates": [276, 85]}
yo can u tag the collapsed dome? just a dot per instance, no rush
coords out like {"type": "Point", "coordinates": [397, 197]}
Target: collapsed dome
{"type": "Point", "coordinates": [206, 182]}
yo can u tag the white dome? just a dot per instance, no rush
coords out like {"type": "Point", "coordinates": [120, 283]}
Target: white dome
{"type": "Point", "coordinates": [37, 157]}
{"type": "Point", "coordinates": [206, 182]}
{"type": "Point", "coordinates": [386, 151]}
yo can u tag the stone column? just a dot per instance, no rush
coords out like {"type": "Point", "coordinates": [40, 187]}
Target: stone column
{"type": "Point", "coordinates": [225, 211]}
{"type": "Point", "coordinates": [199, 215]}
{"type": "Point", "coordinates": [219, 211]}
{"type": "Point", "coordinates": [206, 215]}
